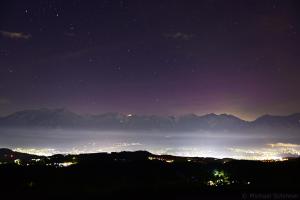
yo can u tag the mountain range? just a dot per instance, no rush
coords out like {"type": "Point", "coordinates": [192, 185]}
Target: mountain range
{"type": "Point", "coordinates": [63, 118]}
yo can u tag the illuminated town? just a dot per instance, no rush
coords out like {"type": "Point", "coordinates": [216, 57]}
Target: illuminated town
{"type": "Point", "coordinates": [271, 151]}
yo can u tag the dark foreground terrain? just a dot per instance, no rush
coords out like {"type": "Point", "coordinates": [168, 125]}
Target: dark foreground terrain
{"type": "Point", "coordinates": [142, 175]}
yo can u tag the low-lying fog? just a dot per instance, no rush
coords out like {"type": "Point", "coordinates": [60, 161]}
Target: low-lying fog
{"type": "Point", "coordinates": [201, 144]}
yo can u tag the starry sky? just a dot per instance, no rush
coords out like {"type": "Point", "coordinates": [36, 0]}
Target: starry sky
{"type": "Point", "coordinates": [164, 57]}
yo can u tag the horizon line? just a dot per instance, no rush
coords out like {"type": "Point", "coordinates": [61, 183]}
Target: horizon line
{"type": "Point", "coordinates": [159, 115]}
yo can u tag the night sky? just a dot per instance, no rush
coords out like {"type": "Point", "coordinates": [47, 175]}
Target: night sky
{"type": "Point", "coordinates": [151, 57]}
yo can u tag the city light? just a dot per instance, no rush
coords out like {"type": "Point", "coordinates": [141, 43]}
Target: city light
{"type": "Point", "coordinates": [161, 159]}
{"type": "Point", "coordinates": [219, 177]}
{"type": "Point", "coordinates": [17, 161]}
